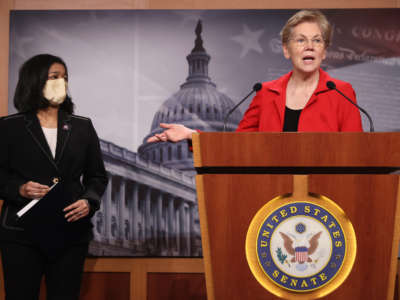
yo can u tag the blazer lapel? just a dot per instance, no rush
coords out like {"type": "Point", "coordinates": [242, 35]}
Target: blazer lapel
{"type": "Point", "coordinates": [32, 125]}
{"type": "Point", "coordinates": [280, 102]}
{"type": "Point", "coordinates": [279, 87]}
{"type": "Point", "coordinates": [321, 87]}
{"type": "Point", "coordinates": [63, 133]}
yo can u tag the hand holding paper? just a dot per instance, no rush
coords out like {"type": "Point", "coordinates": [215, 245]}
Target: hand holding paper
{"type": "Point", "coordinates": [32, 203]}
{"type": "Point", "coordinates": [33, 190]}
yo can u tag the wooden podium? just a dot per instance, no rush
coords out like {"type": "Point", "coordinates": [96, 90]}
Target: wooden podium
{"type": "Point", "coordinates": [238, 173]}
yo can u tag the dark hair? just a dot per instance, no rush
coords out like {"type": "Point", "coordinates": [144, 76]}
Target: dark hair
{"type": "Point", "coordinates": [32, 79]}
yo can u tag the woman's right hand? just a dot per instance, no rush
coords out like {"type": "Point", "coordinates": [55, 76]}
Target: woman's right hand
{"type": "Point", "coordinates": [173, 133]}
{"type": "Point", "coordinates": [33, 190]}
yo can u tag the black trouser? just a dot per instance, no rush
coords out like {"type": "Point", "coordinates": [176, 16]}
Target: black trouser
{"type": "Point", "coordinates": [24, 266]}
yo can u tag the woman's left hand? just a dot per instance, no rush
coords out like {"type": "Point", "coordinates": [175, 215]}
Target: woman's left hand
{"type": "Point", "coordinates": [77, 210]}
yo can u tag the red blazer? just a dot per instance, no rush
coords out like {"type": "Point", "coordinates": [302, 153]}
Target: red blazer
{"type": "Point", "coordinates": [326, 110]}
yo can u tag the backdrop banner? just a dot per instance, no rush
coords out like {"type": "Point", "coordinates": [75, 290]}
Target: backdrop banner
{"type": "Point", "coordinates": [130, 70]}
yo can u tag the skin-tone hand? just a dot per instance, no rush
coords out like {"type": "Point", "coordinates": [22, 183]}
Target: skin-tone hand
{"type": "Point", "coordinates": [33, 190]}
{"type": "Point", "coordinates": [173, 133]}
{"type": "Point", "coordinates": [77, 210]}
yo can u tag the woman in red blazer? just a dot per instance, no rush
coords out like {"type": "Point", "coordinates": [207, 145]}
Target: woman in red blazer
{"type": "Point", "coordinates": [299, 100]}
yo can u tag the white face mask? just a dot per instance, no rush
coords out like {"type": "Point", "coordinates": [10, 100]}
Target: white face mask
{"type": "Point", "coordinates": [55, 90]}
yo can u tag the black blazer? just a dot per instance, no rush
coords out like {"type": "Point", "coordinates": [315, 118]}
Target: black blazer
{"type": "Point", "coordinates": [25, 155]}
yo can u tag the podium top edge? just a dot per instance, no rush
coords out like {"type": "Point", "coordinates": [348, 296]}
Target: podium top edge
{"type": "Point", "coordinates": [296, 149]}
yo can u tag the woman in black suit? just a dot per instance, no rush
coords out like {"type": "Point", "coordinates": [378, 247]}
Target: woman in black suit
{"type": "Point", "coordinates": [45, 143]}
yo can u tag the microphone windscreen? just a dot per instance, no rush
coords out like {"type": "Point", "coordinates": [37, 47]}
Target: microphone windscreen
{"type": "Point", "coordinates": [257, 87]}
{"type": "Point", "coordinates": [331, 85]}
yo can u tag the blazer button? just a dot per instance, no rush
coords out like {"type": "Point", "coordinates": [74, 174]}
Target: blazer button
{"type": "Point", "coordinates": [56, 180]}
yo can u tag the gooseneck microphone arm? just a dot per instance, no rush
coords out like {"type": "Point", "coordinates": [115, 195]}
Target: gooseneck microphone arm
{"type": "Point", "coordinates": [332, 86]}
{"type": "Point", "coordinates": [256, 88]}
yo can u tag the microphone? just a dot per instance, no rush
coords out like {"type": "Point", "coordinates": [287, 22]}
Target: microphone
{"type": "Point", "coordinates": [256, 88]}
{"type": "Point", "coordinates": [332, 86]}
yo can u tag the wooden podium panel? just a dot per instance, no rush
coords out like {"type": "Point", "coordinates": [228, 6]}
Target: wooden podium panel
{"type": "Point", "coordinates": [238, 173]}
{"type": "Point", "coordinates": [228, 216]}
{"type": "Point", "coordinates": [229, 210]}
{"type": "Point", "coordinates": [371, 202]}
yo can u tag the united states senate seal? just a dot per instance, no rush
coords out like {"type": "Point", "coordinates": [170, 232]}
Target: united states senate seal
{"type": "Point", "coordinates": [304, 246]}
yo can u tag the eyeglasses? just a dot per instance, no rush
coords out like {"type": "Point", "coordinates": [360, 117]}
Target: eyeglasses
{"type": "Point", "coordinates": [301, 42]}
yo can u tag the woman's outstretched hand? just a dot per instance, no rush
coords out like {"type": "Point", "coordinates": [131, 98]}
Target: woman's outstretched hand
{"type": "Point", "coordinates": [173, 133]}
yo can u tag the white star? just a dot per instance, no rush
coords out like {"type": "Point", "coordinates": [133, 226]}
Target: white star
{"type": "Point", "coordinates": [21, 45]}
{"type": "Point", "coordinates": [249, 40]}
{"type": "Point", "coordinates": [53, 34]}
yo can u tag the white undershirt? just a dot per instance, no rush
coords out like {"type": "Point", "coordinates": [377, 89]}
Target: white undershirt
{"type": "Point", "coordinates": [51, 137]}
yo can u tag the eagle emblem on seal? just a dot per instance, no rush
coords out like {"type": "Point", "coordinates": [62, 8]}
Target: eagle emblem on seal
{"type": "Point", "coordinates": [300, 253]}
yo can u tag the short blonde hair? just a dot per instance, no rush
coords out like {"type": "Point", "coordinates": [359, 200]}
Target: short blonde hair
{"type": "Point", "coordinates": [313, 16]}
